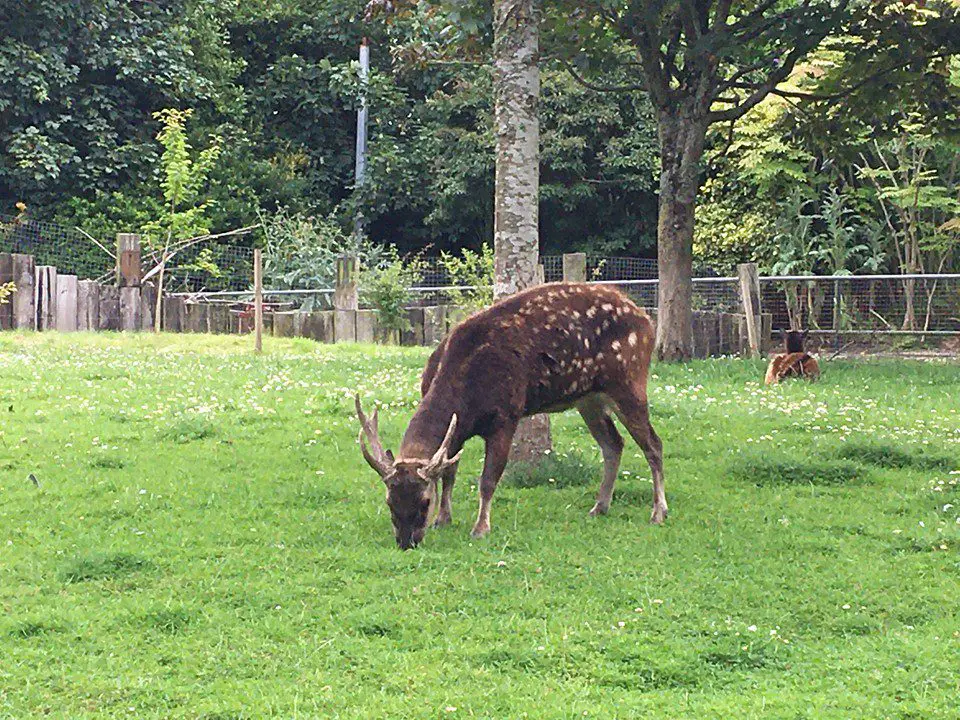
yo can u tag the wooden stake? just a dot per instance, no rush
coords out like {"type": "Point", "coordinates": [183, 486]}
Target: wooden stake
{"type": "Point", "coordinates": [258, 299]}
{"type": "Point", "coordinates": [750, 297]}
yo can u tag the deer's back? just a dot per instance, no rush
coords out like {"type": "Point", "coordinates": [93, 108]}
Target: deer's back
{"type": "Point", "coordinates": [545, 348]}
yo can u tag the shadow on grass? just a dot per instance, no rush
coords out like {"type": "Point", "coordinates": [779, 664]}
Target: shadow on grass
{"type": "Point", "coordinates": [102, 566]}
{"type": "Point", "coordinates": [188, 430]}
{"type": "Point", "coordinates": [33, 628]}
{"type": "Point", "coordinates": [766, 470]}
{"type": "Point", "coordinates": [897, 457]}
{"type": "Point", "coordinates": [169, 621]}
{"type": "Point", "coordinates": [560, 470]}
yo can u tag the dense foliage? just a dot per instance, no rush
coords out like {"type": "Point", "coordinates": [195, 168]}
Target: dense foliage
{"type": "Point", "coordinates": [276, 82]}
{"type": "Point", "coordinates": [869, 121]}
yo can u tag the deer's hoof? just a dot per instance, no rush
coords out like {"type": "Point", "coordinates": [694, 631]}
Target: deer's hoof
{"type": "Point", "coordinates": [658, 515]}
{"type": "Point", "coordinates": [479, 531]}
{"type": "Point", "coordinates": [442, 520]}
{"type": "Point", "coordinates": [599, 509]}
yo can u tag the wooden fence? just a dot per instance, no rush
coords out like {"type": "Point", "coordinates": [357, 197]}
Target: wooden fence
{"type": "Point", "coordinates": [45, 300]}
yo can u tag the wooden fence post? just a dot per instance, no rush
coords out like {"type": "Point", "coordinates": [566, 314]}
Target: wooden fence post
{"type": "Point", "coordinates": [575, 267]}
{"type": "Point", "coordinates": [130, 309]}
{"type": "Point", "coordinates": [109, 308]}
{"type": "Point", "coordinates": [6, 276]}
{"type": "Point", "coordinates": [750, 299]}
{"type": "Point", "coordinates": [88, 305]}
{"type": "Point", "coordinates": [173, 315]}
{"type": "Point", "coordinates": [346, 301]}
{"type": "Point", "coordinates": [128, 260]}
{"type": "Point", "coordinates": [148, 307]}
{"type": "Point", "coordinates": [24, 299]}
{"type": "Point", "coordinates": [66, 303]}
{"type": "Point", "coordinates": [128, 279]}
{"type": "Point", "coordinates": [45, 297]}
{"type": "Point", "coordinates": [258, 300]}
{"type": "Point", "coordinates": [345, 295]}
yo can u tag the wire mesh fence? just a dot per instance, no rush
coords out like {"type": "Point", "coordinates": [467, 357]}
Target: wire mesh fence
{"type": "Point", "coordinates": [871, 304]}
{"type": "Point", "coordinates": [222, 272]}
{"type": "Point", "coordinates": [839, 305]}
{"type": "Point", "coordinates": [71, 250]}
{"type": "Point", "coordinates": [209, 267]}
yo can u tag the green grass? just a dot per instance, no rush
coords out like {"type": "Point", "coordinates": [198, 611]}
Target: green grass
{"type": "Point", "coordinates": [203, 540]}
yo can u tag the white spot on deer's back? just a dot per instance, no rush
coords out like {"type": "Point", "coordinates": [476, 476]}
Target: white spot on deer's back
{"type": "Point", "coordinates": [586, 343]}
{"type": "Point", "coordinates": [632, 339]}
{"type": "Point", "coordinates": [591, 312]}
{"type": "Point", "coordinates": [615, 345]}
{"type": "Point", "coordinates": [607, 307]}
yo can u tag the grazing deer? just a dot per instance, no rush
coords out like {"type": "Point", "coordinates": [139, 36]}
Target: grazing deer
{"type": "Point", "coordinates": [795, 362]}
{"type": "Point", "coordinates": [547, 349]}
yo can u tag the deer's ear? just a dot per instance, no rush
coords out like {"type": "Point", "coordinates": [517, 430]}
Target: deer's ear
{"type": "Point", "coordinates": [390, 455]}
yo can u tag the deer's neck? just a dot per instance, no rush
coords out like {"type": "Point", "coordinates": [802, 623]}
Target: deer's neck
{"type": "Point", "coordinates": [429, 424]}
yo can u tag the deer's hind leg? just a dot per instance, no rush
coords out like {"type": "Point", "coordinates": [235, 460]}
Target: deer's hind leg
{"type": "Point", "coordinates": [596, 414]}
{"type": "Point", "coordinates": [632, 409]}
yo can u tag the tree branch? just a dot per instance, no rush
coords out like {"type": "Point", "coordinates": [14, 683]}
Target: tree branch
{"type": "Point", "coordinates": [856, 86]}
{"type": "Point", "coordinates": [763, 89]}
{"type": "Point", "coordinates": [568, 66]}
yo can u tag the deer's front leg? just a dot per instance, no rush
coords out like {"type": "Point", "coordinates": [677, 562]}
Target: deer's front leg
{"type": "Point", "coordinates": [444, 516]}
{"type": "Point", "coordinates": [494, 461]}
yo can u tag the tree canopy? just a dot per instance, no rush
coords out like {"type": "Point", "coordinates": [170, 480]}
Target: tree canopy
{"type": "Point", "coordinates": [276, 81]}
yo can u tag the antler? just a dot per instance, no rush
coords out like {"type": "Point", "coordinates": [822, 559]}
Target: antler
{"type": "Point", "coordinates": [376, 457]}
{"type": "Point", "coordinates": [440, 460]}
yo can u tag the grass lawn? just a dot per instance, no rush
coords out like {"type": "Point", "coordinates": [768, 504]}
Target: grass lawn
{"type": "Point", "coordinates": [203, 539]}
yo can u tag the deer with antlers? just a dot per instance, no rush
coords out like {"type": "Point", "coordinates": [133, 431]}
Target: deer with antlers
{"type": "Point", "coordinates": [547, 349]}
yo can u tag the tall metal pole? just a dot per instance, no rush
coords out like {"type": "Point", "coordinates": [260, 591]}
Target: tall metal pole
{"type": "Point", "coordinates": [361, 162]}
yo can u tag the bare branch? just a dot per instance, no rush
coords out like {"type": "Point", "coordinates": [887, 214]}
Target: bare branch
{"type": "Point", "coordinates": [95, 242]}
{"type": "Point", "coordinates": [171, 251]}
{"type": "Point", "coordinates": [568, 66]}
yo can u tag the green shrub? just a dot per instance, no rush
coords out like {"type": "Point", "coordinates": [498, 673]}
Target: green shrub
{"type": "Point", "coordinates": [474, 269]}
{"type": "Point", "coordinates": [300, 252]}
{"type": "Point", "coordinates": [386, 288]}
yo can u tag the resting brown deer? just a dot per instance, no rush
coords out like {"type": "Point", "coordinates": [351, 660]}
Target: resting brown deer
{"type": "Point", "coordinates": [795, 362]}
{"type": "Point", "coordinates": [547, 349]}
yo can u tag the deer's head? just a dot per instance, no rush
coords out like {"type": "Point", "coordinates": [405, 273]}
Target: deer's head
{"type": "Point", "coordinates": [411, 483]}
{"type": "Point", "coordinates": [793, 340]}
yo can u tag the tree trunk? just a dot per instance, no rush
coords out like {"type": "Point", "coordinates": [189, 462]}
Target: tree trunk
{"type": "Point", "coordinates": [681, 148]}
{"type": "Point", "coordinates": [516, 233]}
{"type": "Point", "coordinates": [909, 313]}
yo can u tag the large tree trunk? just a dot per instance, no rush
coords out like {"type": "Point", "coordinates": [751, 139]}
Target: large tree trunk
{"type": "Point", "coordinates": [681, 148]}
{"type": "Point", "coordinates": [516, 233]}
